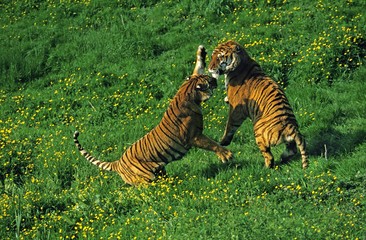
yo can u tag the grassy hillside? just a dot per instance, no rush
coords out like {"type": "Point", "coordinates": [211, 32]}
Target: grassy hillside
{"type": "Point", "coordinates": [109, 68]}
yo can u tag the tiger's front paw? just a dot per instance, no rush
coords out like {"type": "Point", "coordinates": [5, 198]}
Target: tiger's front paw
{"type": "Point", "coordinates": [225, 155]}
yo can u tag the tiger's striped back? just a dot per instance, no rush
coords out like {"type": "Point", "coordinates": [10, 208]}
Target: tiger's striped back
{"type": "Point", "coordinates": [251, 93]}
{"type": "Point", "coordinates": [269, 110]}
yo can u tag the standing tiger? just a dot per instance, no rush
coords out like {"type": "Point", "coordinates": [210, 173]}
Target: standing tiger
{"type": "Point", "coordinates": [180, 128]}
{"type": "Point", "coordinates": [251, 93]}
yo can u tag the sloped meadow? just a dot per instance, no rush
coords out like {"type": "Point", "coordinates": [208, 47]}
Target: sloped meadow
{"type": "Point", "coordinates": [109, 69]}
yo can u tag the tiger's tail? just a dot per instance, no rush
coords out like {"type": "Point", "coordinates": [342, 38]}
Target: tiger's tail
{"type": "Point", "coordinates": [301, 144]}
{"type": "Point", "coordinates": [101, 164]}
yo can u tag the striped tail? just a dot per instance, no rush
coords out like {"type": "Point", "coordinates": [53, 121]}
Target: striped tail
{"type": "Point", "coordinates": [103, 165]}
{"type": "Point", "coordinates": [301, 144]}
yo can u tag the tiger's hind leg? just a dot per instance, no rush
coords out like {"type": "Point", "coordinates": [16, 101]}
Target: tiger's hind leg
{"type": "Point", "coordinates": [266, 152]}
{"type": "Point", "coordinates": [290, 151]}
{"type": "Point", "coordinates": [296, 141]}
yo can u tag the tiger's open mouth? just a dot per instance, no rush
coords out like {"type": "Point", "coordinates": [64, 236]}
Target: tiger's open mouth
{"type": "Point", "coordinates": [215, 74]}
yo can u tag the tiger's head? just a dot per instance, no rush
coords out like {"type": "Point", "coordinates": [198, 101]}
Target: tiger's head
{"type": "Point", "coordinates": [225, 58]}
{"type": "Point", "coordinates": [201, 87]}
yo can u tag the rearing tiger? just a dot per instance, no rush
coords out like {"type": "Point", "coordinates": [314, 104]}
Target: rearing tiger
{"type": "Point", "coordinates": [180, 128]}
{"type": "Point", "coordinates": [251, 93]}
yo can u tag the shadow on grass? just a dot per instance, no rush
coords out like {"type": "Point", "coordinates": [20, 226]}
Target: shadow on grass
{"type": "Point", "coordinates": [329, 142]}
{"type": "Point", "coordinates": [215, 168]}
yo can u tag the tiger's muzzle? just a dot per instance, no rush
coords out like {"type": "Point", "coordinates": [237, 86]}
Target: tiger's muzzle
{"type": "Point", "coordinates": [215, 73]}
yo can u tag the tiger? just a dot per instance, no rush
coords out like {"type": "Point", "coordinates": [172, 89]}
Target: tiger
{"type": "Point", "coordinates": [180, 129]}
{"type": "Point", "coordinates": [251, 93]}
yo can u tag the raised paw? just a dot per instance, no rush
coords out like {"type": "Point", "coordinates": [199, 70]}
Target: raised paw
{"type": "Point", "coordinates": [201, 51]}
{"type": "Point", "coordinates": [200, 60]}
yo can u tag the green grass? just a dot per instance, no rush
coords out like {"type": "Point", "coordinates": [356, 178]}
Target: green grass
{"type": "Point", "coordinates": [109, 68]}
